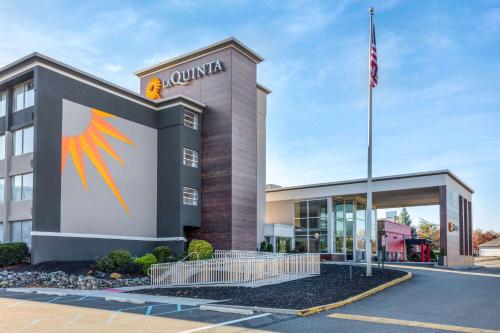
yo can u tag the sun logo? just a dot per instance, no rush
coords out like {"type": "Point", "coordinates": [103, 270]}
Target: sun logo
{"type": "Point", "coordinates": [153, 88]}
{"type": "Point", "coordinates": [88, 143]}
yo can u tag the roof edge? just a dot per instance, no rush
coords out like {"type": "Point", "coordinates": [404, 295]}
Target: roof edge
{"type": "Point", "coordinates": [35, 56]}
{"type": "Point", "coordinates": [37, 59]}
{"type": "Point", "coordinates": [181, 99]}
{"type": "Point", "coordinates": [264, 88]}
{"type": "Point", "coordinates": [363, 180]}
{"type": "Point", "coordinates": [495, 242]}
{"type": "Point", "coordinates": [228, 42]}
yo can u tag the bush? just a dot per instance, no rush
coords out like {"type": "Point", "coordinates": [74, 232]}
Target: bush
{"type": "Point", "coordinates": [115, 261]}
{"type": "Point", "coordinates": [146, 261]}
{"type": "Point", "coordinates": [269, 247]}
{"type": "Point", "coordinates": [13, 253]}
{"type": "Point", "coordinates": [132, 268]}
{"type": "Point", "coordinates": [104, 265]}
{"type": "Point", "coordinates": [414, 257]}
{"type": "Point", "coordinates": [263, 246]}
{"type": "Point", "coordinates": [162, 254]}
{"type": "Point", "coordinates": [200, 249]}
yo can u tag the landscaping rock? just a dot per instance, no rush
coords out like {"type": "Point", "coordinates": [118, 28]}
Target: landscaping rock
{"type": "Point", "coordinates": [58, 279]}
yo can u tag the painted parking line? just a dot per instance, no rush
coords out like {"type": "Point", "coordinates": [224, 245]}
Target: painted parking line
{"type": "Point", "coordinates": [204, 328]}
{"type": "Point", "coordinates": [72, 321]}
{"type": "Point", "coordinates": [32, 323]}
{"type": "Point", "coordinates": [175, 311]}
{"type": "Point", "coordinates": [409, 323]}
{"type": "Point", "coordinates": [81, 299]}
{"type": "Point", "coordinates": [148, 310]}
{"type": "Point", "coordinates": [23, 296]}
{"type": "Point", "coordinates": [24, 300]}
{"type": "Point", "coordinates": [55, 299]}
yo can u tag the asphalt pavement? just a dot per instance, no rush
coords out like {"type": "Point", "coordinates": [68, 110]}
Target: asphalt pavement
{"type": "Point", "coordinates": [430, 297]}
{"type": "Point", "coordinates": [432, 301]}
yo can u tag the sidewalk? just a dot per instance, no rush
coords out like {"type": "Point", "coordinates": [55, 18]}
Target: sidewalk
{"type": "Point", "coordinates": [119, 296]}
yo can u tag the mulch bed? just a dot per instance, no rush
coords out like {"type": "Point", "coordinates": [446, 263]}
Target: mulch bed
{"type": "Point", "coordinates": [81, 267]}
{"type": "Point", "coordinates": [68, 267]}
{"type": "Point", "coordinates": [331, 286]}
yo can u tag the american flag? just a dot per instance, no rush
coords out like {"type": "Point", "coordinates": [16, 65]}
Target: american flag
{"type": "Point", "coordinates": [373, 60]}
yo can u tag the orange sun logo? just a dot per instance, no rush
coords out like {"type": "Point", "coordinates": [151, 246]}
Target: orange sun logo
{"type": "Point", "coordinates": [88, 143]}
{"type": "Point", "coordinates": [153, 88]}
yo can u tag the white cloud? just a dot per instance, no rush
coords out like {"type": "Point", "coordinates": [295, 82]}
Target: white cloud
{"type": "Point", "coordinates": [303, 17]}
{"type": "Point", "coordinates": [113, 67]}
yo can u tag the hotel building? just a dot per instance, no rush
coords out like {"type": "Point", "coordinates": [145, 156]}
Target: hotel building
{"type": "Point", "coordinates": [87, 166]}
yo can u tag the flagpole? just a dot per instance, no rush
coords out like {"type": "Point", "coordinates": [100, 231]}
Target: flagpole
{"type": "Point", "coordinates": [368, 237]}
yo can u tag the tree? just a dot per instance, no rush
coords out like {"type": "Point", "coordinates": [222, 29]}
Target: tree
{"type": "Point", "coordinates": [480, 237]}
{"type": "Point", "coordinates": [429, 230]}
{"type": "Point", "coordinates": [404, 218]}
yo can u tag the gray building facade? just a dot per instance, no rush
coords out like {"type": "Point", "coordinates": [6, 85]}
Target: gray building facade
{"type": "Point", "coordinates": [88, 166]}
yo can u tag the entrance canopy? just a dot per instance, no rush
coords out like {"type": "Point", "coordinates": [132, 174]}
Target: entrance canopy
{"type": "Point", "coordinates": [330, 217]}
{"type": "Point", "coordinates": [415, 189]}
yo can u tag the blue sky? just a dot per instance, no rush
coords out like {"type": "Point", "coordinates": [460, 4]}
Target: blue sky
{"type": "Point", "coordinates": [437, 105]}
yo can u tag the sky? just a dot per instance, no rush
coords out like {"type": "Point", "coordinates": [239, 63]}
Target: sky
{"type": "Point", "coordinates": [437, 105]}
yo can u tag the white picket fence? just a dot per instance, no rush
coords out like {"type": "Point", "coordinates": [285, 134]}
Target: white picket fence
{"type": "Point", "coordinates": [243, 254]}
{"type": "Point", "coordinates": [247, 268]}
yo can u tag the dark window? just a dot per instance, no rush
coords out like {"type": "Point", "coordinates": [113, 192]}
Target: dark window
{"type": "Point", "coordinates": [461, 223]}
{"type": "Point", "coordinates": [190, 119]}
{"type": "Point", "coordinates": [3, 103]}
{"type": "Point", "coordinates": [22, 141]}
{"type": "Point", "coordinates": [470, 228]}
{"type": "Point", "coordinates": [466, 228]}
{"type": "Point", "coordinates": [190, 196]}
{"type": "Point", "coordinates": [22, 187]}
{"type": "Point", "coordinates": [190, 157]}
{"type": "Point", "coordinates": [24, 96]}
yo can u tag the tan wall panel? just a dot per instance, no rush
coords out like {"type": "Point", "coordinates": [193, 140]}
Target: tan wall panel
{"type": "Point", "coordinates": [279, 212]}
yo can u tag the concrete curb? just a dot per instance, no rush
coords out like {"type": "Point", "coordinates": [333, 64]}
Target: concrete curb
{"type": "Point", "coordinates": [51, 293]}
{"type": "Point", "coordinates": [124, 300]}
{"type": "Point", "coordinates": [226, 309]}
{"type": "Point", "coordinates": [107, 294]}
{"type": "Point", "coordinates": [22, 291]}
{"type": "Point", "coordinates": [262, 309]}
{"type": "Point", "coordinates": [316, 309]}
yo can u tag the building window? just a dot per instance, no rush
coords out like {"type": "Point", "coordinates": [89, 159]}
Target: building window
{"type": "Point", "coordinates": [24, 96]}
{"type": "Point", "coordinates": [310, 219]}
{"type": "Point", "coordinates": [2, 187]}
{"type": "Point", "coordinates": [350, 229]}
{"type": "Point", "coordinates": [190, 119]}
{"type": "Point", "coordinates": [2, 147]}
{"type": "Point", "coordinates": [22, 187]}
{"type": "Point", "coordinates": [22, 141]}
{"type": "Point", "coordinates": [190, 157]}
{"type": "Point", "coordinates": [20, 231]}
{"type": "Point", "coordinates": [3, 103]}
{"type": "Point", "coordinates": [190, 196]}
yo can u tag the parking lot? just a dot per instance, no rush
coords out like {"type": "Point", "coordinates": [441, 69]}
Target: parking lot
{"type": "Point", "coordinates": [445, 300]}
{"type": "Point", "coordinates": [50, 313]}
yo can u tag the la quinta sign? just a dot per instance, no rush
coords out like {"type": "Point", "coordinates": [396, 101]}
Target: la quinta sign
{"type": "Point", "coordinates": [187, 75]}
{"type": "Point", "coordinates": [182, 77]}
